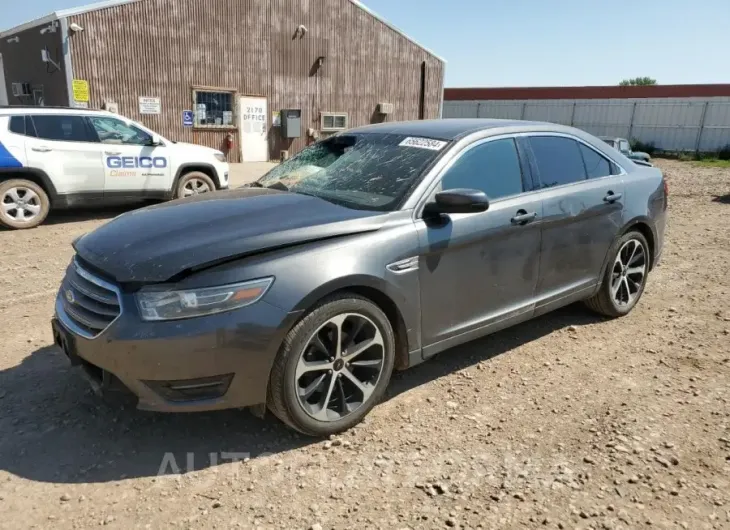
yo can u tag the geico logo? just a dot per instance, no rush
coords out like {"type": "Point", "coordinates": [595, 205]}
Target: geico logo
{"type": "Point", "coordinates": [131, 162]}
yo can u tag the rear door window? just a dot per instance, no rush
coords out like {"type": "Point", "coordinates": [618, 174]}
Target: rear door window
{"type": "Point", "coordinates": [597, 166]}
{"type": "Point", "coordinates": [62, 128]}
{"type": "Point", "coordinates": [558, 159]}
{"type": "Point", "coordinates": [492, 167]}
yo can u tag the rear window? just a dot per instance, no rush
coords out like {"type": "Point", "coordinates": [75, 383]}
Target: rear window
{"type": "Point", "coordinates": [610, 142]}
{"type": "Point", "coordinates": [17, 125]}
{"type": "Point", "coordinates": [61, 128]}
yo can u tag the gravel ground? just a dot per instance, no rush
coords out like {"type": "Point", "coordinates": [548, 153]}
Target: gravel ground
{"type": "Point", "coordinates": [568, 421]}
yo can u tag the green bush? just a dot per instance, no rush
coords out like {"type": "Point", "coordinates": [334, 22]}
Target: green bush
{"type": "Point", "coordinates": [648, 147]}
{"type": "Point", "coordinates": [724, 153]}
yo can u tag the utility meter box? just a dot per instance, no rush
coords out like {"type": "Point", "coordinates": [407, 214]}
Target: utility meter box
{"type": "Point", "coordinates": [291, 123]}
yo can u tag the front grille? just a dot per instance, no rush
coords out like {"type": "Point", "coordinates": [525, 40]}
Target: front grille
{"type": "Point", "coordinates": [86, 303]}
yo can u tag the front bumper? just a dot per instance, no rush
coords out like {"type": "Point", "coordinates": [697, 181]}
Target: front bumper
{"type": "Point", "coordinates": [223, 172]}
{"type": "Point", "coordinates": [207, 363]}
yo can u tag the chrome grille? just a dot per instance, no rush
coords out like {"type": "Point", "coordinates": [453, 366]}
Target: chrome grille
{"type": "Point", "coordinates": [87, 304]}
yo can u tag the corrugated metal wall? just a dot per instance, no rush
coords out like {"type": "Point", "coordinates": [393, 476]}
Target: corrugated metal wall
{"type": "Point", "coordinates": [672, 124]}
{"type": "Point", "coordinates": [159, 48]}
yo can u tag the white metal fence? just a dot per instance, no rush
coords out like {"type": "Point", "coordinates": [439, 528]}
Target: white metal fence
{"type": "Point", "coordinates": [671, 124]}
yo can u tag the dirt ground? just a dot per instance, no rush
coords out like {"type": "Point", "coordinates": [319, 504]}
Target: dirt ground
{"type": "Point", "coordinates": [568, 421]}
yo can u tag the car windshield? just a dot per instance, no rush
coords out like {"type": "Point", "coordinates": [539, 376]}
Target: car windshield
{"type": "Point", "coordinates": [610, 142]}
{"type": "Point", "coordinates": [367, 171]}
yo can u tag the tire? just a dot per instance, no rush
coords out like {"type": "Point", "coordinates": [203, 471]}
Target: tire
{"type": "Point", "coordinates": [286, 389]}
{"type": "Point", "coordinates": [616, 303]}
{"type": "Point", "coordinates": [31, 198]}
{"type": "Point", "coordinates": [190, 182]}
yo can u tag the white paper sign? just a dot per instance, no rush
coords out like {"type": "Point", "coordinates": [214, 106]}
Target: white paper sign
{"type": "Point", "coordinates": [227, 117]}
{"type": "Point", "coordinates": [423, 143]}
{"type": "Point", "coordinates": [201, 112]}
{"type": "Point", "coordinates": [150, 105]}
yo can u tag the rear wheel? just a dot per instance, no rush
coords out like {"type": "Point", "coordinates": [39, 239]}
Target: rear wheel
{"type": "Point", "coordinates": [333, 367]}
{"type": "Point", "coordinates": [625, 277]}
{"type": "Point", "coordinates": [23, 204]}
{"type": "Point", "coordinates": [194, 183]}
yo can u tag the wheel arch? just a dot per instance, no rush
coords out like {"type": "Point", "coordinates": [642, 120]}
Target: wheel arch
{"type": "Point", "coordinates": [377, 291]}
{"type": "Point", "coordinates": [645, 227]}
{"type": "Point", "coordinates": [640, 224]}
{"type": "Point", "coordinates": [34, 175]}
{"type": "Point", "coordinates": [189, 167]}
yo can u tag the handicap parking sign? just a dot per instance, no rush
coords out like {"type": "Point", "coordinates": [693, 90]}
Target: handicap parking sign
{"type": "Point", "coordinates": [187, 118]}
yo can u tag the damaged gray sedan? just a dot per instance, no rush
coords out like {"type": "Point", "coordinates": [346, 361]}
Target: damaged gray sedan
{"type": "Point", "coordinates": [370, 251]}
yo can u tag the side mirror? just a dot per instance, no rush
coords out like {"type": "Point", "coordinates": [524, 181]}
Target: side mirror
{"type": "Point", "coordinates": [457, 201]}
{"type": "Point", "coordinates": [156, 140]}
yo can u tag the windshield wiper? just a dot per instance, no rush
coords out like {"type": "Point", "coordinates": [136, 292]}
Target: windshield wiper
{"type": "Point", "coordinates": [277, 186]}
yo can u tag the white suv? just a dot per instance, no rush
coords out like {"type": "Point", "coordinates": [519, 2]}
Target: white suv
{"type": "Point", "coordinates": [59, 157]}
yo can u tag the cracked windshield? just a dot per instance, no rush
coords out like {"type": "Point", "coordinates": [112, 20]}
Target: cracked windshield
{"type": "Point", "coordinates": [362, 171]}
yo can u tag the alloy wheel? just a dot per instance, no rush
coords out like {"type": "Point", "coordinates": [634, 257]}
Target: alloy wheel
{"type": "Point", "coordinates": [629, 273]}
{"type": "Point", "coordinates": [21, 204]}
{"type": "Point", "coordinates": [339, 368]}
{"type": "Point", "coordinates": [195, 186]}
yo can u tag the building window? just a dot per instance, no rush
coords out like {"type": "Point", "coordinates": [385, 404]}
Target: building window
{"type": "Point", "coordinates": [334, 121]}
{"type": "Point", "coordinates": [214, 108]}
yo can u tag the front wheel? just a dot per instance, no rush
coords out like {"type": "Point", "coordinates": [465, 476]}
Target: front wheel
{"type": "Point", "coordinates": [194, 183]}
{"type": "Point", "coordinates": [625, 277]}
{"type": "Point", "coordinates": [333, 367]}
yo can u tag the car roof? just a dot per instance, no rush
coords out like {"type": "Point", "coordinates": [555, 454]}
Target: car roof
{"type": "Point", "coordinates": [456, 128]}
{"type": "Point", "coordinates": [12, 110]}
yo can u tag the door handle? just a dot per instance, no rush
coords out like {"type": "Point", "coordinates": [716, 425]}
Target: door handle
{"type": "Point", "coordinates": [42, 149]}
{"type": "Point", "coordinates": [522, 217]}
{"type": "Point", "coordinates": [112, 153]}
{"type": "Point", "coordinates": [612, 197]}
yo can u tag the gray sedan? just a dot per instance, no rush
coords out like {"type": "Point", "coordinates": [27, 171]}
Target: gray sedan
{"type": "Point", "coordinates": [370, 251]}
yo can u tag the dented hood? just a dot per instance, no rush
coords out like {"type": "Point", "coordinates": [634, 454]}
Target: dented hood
{"type": "Point", "coordinates": [157, 243]}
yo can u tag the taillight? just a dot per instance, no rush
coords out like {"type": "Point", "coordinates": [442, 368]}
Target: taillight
{"type": "Point", "coordinates": [666, 188]}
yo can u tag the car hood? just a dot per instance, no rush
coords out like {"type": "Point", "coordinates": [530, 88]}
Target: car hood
{"type": "Point", "coordinates": [195, 147]}
{"type": "Point", "coordinates": [157, 243]}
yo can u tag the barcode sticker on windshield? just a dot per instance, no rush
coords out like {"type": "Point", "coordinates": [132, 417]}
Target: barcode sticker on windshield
{"type": "Point", "coordinates": [423, 143]}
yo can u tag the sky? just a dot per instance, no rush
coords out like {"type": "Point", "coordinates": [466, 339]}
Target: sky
{"type": "Point", "coordinates": [542, 42]}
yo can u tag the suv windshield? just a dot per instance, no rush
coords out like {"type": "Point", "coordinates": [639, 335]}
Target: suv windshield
{"type": "Point", "coordinates": [367, 171]}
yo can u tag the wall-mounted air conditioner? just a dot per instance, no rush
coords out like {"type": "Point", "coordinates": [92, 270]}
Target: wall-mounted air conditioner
{"type": "Point", "coordinates": [21, 89]}
{"type": "Point", "coordinates": [386, 108]}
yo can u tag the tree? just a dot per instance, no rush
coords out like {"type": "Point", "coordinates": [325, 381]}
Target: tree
{"type": "Point", "coordinates": [638, 81]}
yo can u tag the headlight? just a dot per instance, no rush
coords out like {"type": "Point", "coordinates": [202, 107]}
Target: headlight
{"type": "Point", "coordinates": [220, 157]}
{"type": "Point", "coordinates": [173, 305]}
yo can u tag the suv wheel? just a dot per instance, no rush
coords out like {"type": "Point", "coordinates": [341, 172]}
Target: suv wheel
{"type": "Point", "coordinates": [333, 367]}
{"type": "Point", "coordinates": [194, 183]}
{"type": "Point", "coordinates": [23, 204]}
{"type": "Point", "coordinates": [625, 277]}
